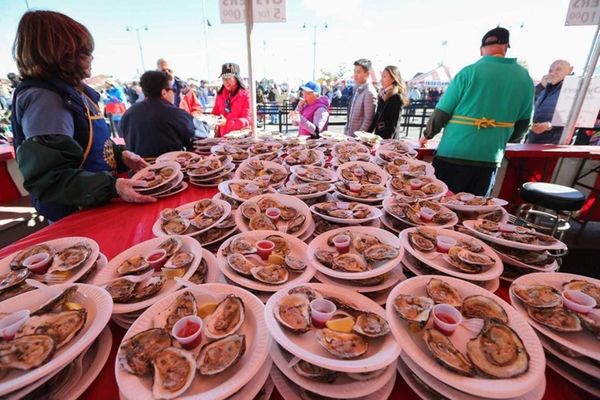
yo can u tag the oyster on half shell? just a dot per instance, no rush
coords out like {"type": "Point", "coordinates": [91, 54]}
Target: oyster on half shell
{"type": "Point", "coordinates": [217, 356]}
{"type": "Point", "coordinates": [227, 318]}
{"type": "Point", "coordinates": [72, 257]}
{"type": "Point", "coordinates": [498, 351]}
{"type": "Point", "coordinates": [174, 372]}
{"type": "Point", "coordinates": [240, 264]}
{"type": "Point", "coordinates": [314, 372]}
{"type": "Point", "coordinates": [379, 252]}
{"type": "Point", "coordinates": [483, 307]}
{"type": "Point", "coordinates": [293, 312]}
{"type": "Point", "coordinates": [134, 265]}
{"type": "Point", "coordinates": [136, 353]}
{"type": "Point", "coordinates": [558, 318]}
{"type": "Point", "coordinates": [540, 296]}
{"type": "Point", "coordinates": [371, 325]}
{"type": "Point", "coordinates": [413, 308]}
{"type": "Point", "coordinates": [349, 262]}
{"type": "Point", "coordinates": [446, 354]}
{"type": "Point", "coordinates": [589, 288]}
{"type": "Point", "coordinates": [184, 305]}
{"type": "Point", "coordinates": [342, 345]}
{"type": "Point", "coordinates": [26, 352]}
{"type": "Point", "coordinates": [62, 326]}
{"type": "Point", "coordinates": [272, 274]}
{"type": "Point", "coordinates": [443, 293]}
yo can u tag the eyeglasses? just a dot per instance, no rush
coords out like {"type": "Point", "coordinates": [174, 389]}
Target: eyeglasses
{"type": "Point", "coordinates": [228, 104]}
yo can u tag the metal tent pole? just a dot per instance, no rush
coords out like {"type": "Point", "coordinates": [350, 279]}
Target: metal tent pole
{"type": "Point", "coordinates": [251, 88]}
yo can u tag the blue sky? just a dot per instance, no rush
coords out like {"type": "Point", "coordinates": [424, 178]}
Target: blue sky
{"type": "Point", "coordinates": [408, 33]}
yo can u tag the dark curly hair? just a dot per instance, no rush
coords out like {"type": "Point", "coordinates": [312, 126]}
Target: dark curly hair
{"type": "Point", "coordinates": [49, 45]}
{"type": "Point", "coordinates": [153, 82]}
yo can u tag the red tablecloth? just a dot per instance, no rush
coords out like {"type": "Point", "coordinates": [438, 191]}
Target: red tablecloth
{"type": "Point", "coordinates": [9, 189]}
{"type": "Point", "coordinates": [119, 225]}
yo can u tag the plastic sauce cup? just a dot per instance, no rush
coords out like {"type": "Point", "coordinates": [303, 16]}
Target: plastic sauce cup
{"type": "Point", "coordinates": [342, 243]}
{"type": "Point", "coordinates": [444, 243]}
{"type": "Point", "coordinates": [188, 331]}
{"type": "Point", "coordinates": [321, 311]}
{"type": "Point", "coordinates": [426, 214]}
{"type": "Point", "coordinates": [10, 324]}
{"type": "Point", "coordinates": [359, 171]}
{"type": "Point", "coordinates": [264, 248]}
{"type": "Point", "coordinates": [157, 259]}
{"type": "Point", "coordinates": [578, 301]}
{"type": "Point", "coordinates": [251, 188]}
{"type": "Point", "coordinates": [415, 183]}
{"type": "Point", "coordinates": [354, 187]}
{"type": "Point", "coordinates": [446, 318]}
{"type": "Point", "coordinates": [273, 213]}
{"type": "Point", "coordinates": [507, 227]}
{"type": "Point", "coordinates": [188, 213]}
{"type": "Point", "coordinates": [38, 263]}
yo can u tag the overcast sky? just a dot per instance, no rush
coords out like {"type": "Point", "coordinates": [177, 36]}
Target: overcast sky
{"type": "Point", "coordinates": [407, 33]}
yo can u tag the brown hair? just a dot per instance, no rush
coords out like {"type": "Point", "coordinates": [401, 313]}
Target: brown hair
{"type": "Point", "coordinates": [398, 82]}
{"type": "Point", "coordinates": [51, 45]}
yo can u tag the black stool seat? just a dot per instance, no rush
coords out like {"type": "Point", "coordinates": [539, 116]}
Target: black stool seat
{"type": "Point", "coordinates": [551, 196]}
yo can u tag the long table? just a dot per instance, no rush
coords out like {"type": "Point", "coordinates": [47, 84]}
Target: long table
{"type": "Point", "coordinates": [119, 225]}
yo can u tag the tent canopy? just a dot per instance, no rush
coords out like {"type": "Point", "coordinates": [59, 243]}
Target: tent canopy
{"type": "Point", "coordinates": [437, 77]}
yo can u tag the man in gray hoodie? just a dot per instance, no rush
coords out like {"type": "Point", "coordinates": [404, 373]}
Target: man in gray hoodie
{"type": "Point", "coordinates": [364, 102]}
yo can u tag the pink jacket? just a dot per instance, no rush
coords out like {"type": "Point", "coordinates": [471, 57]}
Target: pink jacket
{"type": "Point", "coordinates": [189, 102]}
{"type": "Point", "coordinates": [238, 116]}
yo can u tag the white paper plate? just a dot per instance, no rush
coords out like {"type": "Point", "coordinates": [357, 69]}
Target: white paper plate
{"type": "Point", "coordinates": [164, 192]}
{"type": "Point", "coordinates": [491, 285]}
{"type": "Point", "coordinates": [381, 267]}
{"type": "Point", "coordinates": [367, 166]}
{"type": "Point", "coordinates": [295, 170]}
{"type": "Point", "coordinates": [184, 185]}
{"type": "Point", "coordinates": [308, 196]}
{"type": "Point", "coordinates": [382, 351]}
{"type": "Point", "coordinates": [471, 208]}
{"type": "Point", "coordinates": [513, 261]}
{"type": "Point", "coordinates": [583, 364]}
{"type": "Point", "coordinates": [58, 244]}
{"type": "Point", "coordinates": [214, 174]}
{"type": "Point", "coordinates": [173, 164]}
{"type": "Point", "coordinates": [582, 342]}
{"type": "Point", "coordinates": [387, 221]}
{"type": "Point", "coordinates": [511, 243]}
{"type": "Point", "coordinates": [213, 182]}
{"type": "Point", "coordinates": [258, 344]}
{"type": "Point", "coordinates": [173, 155]}
{"type": "Point", "coordinates": [374, 212]}
{"type": "Point", "coordinates": [435, 260]}
{"type": "Point", "coordinates": [251, 389]}
{"type": "Point", "coordinates": [370, 200]}
{"type": "Point", "coordinates": [290, 391]}
{"type": "Point", "coordinates": [575, 377]}
{"type": "Point", "coordinates": [347, 147]}
{"type": "Point", "coordinates": [297, 248]}
{"type": "Point", "coordinates": [388, 202]}
{"type": "Point", "coordinates": [416, 349]}
{"type": "Point", "coordinates": [429, 170]}
{"type": "Point", "coordinates": [284, 200]}
{"type": "Point", "coordinates": [415, 377]}
{"type": "Point", "coordinates": [158, 232]}
{"type": "Point", "coordinates": [266, 164]}
{"type": "Point", "coordinates": [391, 146]}
{"type": "Point", "coordinates": [395, 276]}
{"type": "Point", "coordinates": [98, 304]}
{"type": "Point", "coordinates": [431, 197]}
{"type": "Point", "coordinates": [110, 271]}
{"type": "Point", "coordinates": [320, 158]}
{"type": "Point", "coordinates": [343, 387]}
{"type": "Point", "coordinates": [225, 191]}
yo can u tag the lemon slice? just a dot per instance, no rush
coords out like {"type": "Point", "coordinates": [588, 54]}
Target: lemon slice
{"type": "Point", "coordinates": [71, 306]}
{"type": "Point", "coordinates": [276, 259]}
{"type": "Point", "coordinates": [344, 324]}
{"type": "Point", "coordinates": [206, 309]}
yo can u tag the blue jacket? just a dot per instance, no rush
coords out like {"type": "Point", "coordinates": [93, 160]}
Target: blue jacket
{"type": "Point", "coordinates": [545, 104]}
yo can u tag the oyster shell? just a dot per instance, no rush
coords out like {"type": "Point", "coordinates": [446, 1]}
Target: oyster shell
{"type": "Point", "coordinates": [591, 322]}
{"type": "Point", "coordinates": [242, 246]}
{"type": "Point", "coordinates": [14, 278]}
{"type": "Point", "coordinates": [371, 325]}
{"type": "Point", "coordinates": [293, 312]}
{"type": "Point", "coordinates": [136, 353]}
{"type": "Point", "coordinates": [586, 287]}
{"type": "Point", "coordinates": [342, 345]}
{"type": "Point", "coordinates": [227, 318]}
{"type": "Point", "coordinates": [452, 259]}
{"type": "Point", "coordinates": [470, 257]}
{"type": "Point", "coordinates": [296, 223]}
{"type": "Point", "coordinates": [71, 257]}
{"type": "Point", "coordinates": [498, 351]}
{"type": "Point", "coordinates": [314, 372]}
{"type": "Point", "coordinates": [420, 242]}
{"type": "Point", "coordinates": [176, 226]}
{"type": "Point", "coordinates": [446, 354]}
{"type": "Point", "coordinates": [26, 352]}
{"type": "Point", "coordinates": [366, 376]}
{"type": "Point", "coordinates": [133, 266]}
{"type": "Point", "coordinates": [261, 222]}
{"type": "Point", "coordinates": [309, 292]}
{"type": "Point", "coordinates": [413, 308]}
{"type": "Point", "coordinates": [540, 296]}
{"type": "Point", "coordinates": [364, 241]}
{"type": "Point", "coordinates": [149, 287]}
{"type": "Point", "coordinates": [169, 213]}
{"type": "Point", "coordinates": [325, 257]}
{"type": "Point", "coordinates": [281, 245]}
{"type": "Point", "coordinates": [288, 213]}
{"type": "Point", "coordinates": [171, 245]}
{"type": "Point", "coordinates": [174, 372]}
{"type": "Point", "coordinates": [17, 261]}
{"type": "Point", "coordinates": [272, 274]}
{"type": "Point", "coordinates": [219, 355]}
{"type": "Point", "coordinates": [62, 326]}
{"type": "Point", "coordinates": [184, 305]}
{"type": "Point", "coordinates": [557, 318]}
{"type": "Point", "coordinates": [483, 307]}
{"type": "Point", "coordinates": [443, 293]}
{"type": "Point", "coordinates": [349, 262]}
{"type": "Point", "coordinates": [240, 264]}
{"type": "Point", "coordinates": [249, 209]}
{"type": "Point", "coordinates": [181, 259]}
{"type": "Point", "coordinates": [121, 290]}
{"type": "Point", "coordinates": [56, 304]}
{"type": "Point", "coordinates": [379, 252]}
{"type": "Point", "coordinates": [202, 205]}
{"type": "Point", "coordinates": [294, 263]}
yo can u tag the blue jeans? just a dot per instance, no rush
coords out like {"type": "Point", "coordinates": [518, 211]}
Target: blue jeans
{"type": "Point", "coordinates": [465, 178]}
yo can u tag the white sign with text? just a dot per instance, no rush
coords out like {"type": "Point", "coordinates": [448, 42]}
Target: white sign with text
{"type": "Point", "coordinates": [583, 12]}
{"type": "Point", "coordinates": [234, 11]}
{"type": "Point", "coordinates": [591, 103]}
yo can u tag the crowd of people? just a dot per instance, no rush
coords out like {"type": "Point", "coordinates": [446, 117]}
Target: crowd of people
{"type": "Point", "coordinates": [68, 159]}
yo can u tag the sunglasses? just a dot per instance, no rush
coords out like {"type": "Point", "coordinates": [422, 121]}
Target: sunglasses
{"type": "Point", "coordinates": [228, 105]}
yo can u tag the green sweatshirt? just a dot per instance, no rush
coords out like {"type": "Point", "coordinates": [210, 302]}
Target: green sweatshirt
{"type": "Point", "coordinates": [496, 88]}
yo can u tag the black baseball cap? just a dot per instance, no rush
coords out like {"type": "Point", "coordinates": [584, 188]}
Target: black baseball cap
{"type": "Point", "coordinates": [496, 36]}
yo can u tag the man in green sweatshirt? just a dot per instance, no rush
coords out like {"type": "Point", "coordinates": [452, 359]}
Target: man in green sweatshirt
{"type": "Point", "coordinates": [487, 104]}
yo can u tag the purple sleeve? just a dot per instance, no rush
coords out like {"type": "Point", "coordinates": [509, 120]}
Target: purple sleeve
{"type": "Point", "coordinates": [320, 119]}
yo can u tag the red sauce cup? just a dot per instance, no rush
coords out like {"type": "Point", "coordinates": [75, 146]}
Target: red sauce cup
{"type": "Point", "coordinates": [188, 331]}
{"type": "Point", "coordinates": [273, 213]}
{"type": "Point", "coordinates": [416, 183]}
{"type": "Point", "coordinates": [578, 301]}
{"type": "Point", "coordinates": [264, 248]}
{"type": "Point", "coordinates": [342, 243]}
{"type": "Point", "coordinates": [444, 243]}
{"type": "Point", "coordinates": [157, 258]}
{"type": "Point", "coordinates": [446, 318]}
{"type": "Point", "coordinates": [426, 214]}
{"type": "Point", "coordinates": [38, 263]}
{"type": "Point", "coordinates": [321, 311]}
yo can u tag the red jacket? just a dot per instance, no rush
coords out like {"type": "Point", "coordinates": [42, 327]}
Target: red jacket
{"type": "Point", "coordinates": [239, 115]}
{"type": "Point", "coordinates": [189, 102]}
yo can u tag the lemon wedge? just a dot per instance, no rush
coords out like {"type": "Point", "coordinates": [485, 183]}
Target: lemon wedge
{"type": "Point", "coordinates": [71, 306]}
{"type": "Point", "coordinates": [344, 324]}
{"type": "Point", "coordinates": [276, 259]}
{"type": "Point", "coordinates": [206, 309]}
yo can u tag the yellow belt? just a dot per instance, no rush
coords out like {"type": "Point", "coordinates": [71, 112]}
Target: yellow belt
{"type": "Point", "coordinates": [480, 122]}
